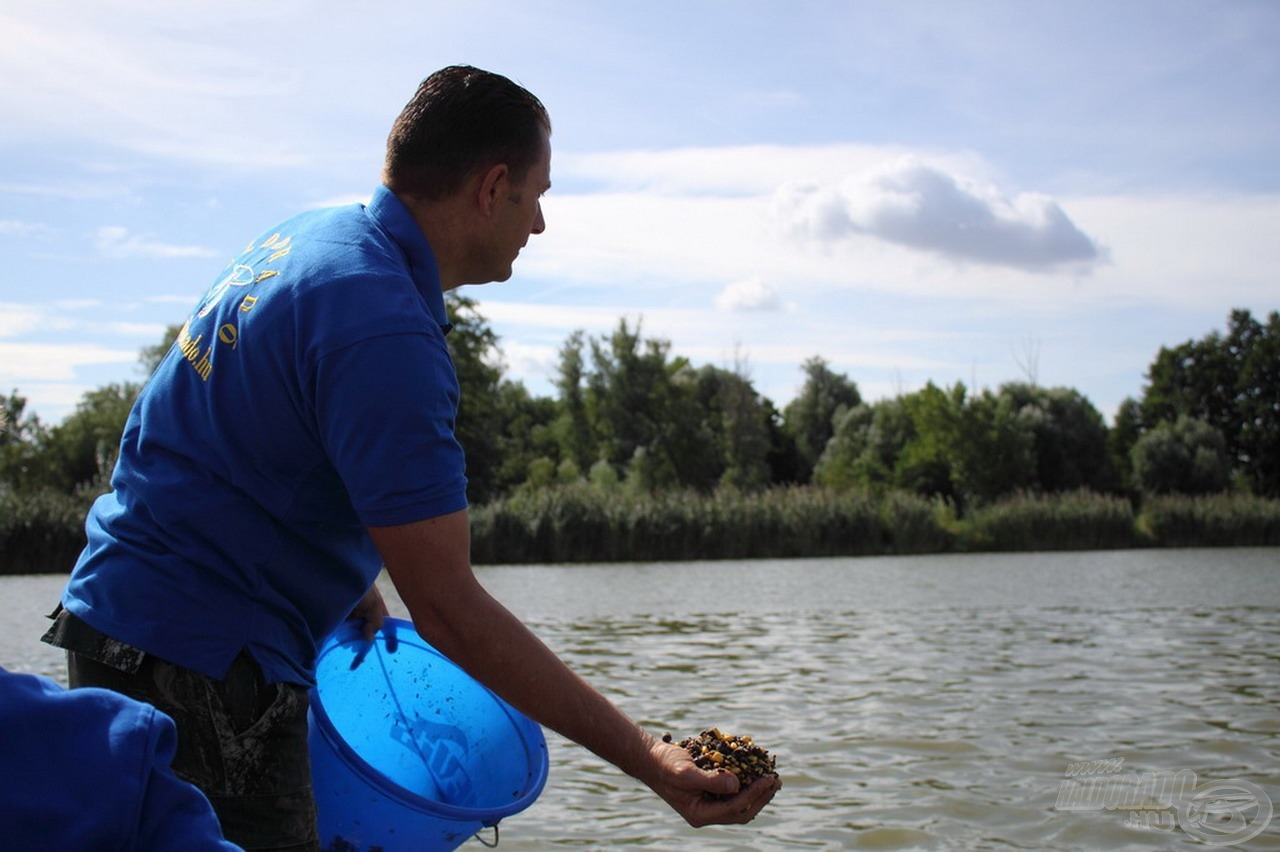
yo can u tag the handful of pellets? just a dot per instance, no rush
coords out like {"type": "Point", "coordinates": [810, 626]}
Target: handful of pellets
{"type": "Point", "coordinates": [738, 754]}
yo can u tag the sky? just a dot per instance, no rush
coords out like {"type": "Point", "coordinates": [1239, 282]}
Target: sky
{"type": "Point", "coordinates": [913, 191]}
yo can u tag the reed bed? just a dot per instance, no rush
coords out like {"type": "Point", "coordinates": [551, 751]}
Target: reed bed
{"type": "Point", "coordinates": [578, 523]}
{"type": "Point", "coordinates": [41, 532]}
{"type": "Point", "coordinates": [918, 524]}
{"type": "Point", "coordinates": [1215, 520]}
{"type": "Point", "coordinates": [1074, 520]}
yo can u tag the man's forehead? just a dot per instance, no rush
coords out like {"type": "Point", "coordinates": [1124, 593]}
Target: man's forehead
{"type": "Point", "coordinates": [544, 166]}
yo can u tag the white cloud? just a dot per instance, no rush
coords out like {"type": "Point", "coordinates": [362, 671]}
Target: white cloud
{"type": "Point", "coordinates": [18, 228]}
{"type": "Point", "coordinates": [50, 401]}
{"type": "Point", "coordinates": [136, 330]}
{"type": "Point", "coordinates": [750, 294]}
{"type": "Point", "coordinates": [116, 242]}
{"type": "Point", "coordinates": [23, 363]}
{"type": "Point", "coordinates": [1188, 252]}
{"type": "Point", "coordinates": [738, 170]}
{"type": "Point", "coordinates": [62, 187]}
{"type": "Point", "coordinates": [77, 304]}
{"type": "Point", "coordinates": [550, 317]}
{"type": "Point", "coordinates": [16, 320]}
{"type": "Point", "coordinates": [531, 335]}
{"type": "Point", "coordinates": [160, 81]}
{"type": "Point", "coordinates": [342, 200]}
{"type": "Point", "coordinates": [646, 239]}
{"type": "Point", "coordinates": [530, 363]}
{"type": "Point", "coordinates": [174, 299]}
{"type": "Point", "coordinates": [695, 219]}
{"type": "Point", "coordinates": [921, 206]}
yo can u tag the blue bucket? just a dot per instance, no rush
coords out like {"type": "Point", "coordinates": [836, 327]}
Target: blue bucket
{"type": "Point", "coordinates": [408, 752]}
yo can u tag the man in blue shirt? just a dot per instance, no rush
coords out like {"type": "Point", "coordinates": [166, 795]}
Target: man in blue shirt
{"type": "Point", "coordinates": [298, 436]}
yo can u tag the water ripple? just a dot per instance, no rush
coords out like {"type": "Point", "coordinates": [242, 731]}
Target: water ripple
{"type": "Point", "coordinates": [931, 702]}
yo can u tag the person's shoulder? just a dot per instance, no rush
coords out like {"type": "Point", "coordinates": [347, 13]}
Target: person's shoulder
{"type": "Point", "coordinates": [336, 245]}
{"type": "Point", "coordinates": [89, 768]}
{"type": "Point", "coordinates": [39, 704]}
{"type": "Point", "coordinates": [73, 762]}
{"type": "Point", "coordinates": [33, 694]}
{"type": "Point", "coordinates": [19, 691]}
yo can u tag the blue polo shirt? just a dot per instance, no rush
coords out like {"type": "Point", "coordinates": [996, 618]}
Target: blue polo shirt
{"type": "Point", "coordinates": [309, 394]}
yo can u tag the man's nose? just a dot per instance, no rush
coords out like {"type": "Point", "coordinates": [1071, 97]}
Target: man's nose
{"type": "Point", "coordinates": [539, 224]}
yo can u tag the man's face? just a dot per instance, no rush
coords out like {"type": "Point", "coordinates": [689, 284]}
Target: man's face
{"type": "Point", "coordinates": [520, 215]}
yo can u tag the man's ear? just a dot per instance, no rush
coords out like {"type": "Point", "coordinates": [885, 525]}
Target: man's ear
{"type": "Point", "coordinates": [494, 187]}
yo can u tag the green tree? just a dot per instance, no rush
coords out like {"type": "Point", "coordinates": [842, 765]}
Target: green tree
{"type": "Point", "coordinates": [891, 429]}
{"type": "Point", "coordinates": [810, 417]}
{"type": "Point", "coordinates": [17, 426]}
{"type": "Point", "coordinates": [1185, 456]}
{"type": "Point", "coordinates": [738, 422]}
{"type": "Point", "coordinates": [1258, 403]}
{"type": "Point", "coordinates": [1124, 433]}
{"type": "Point", "coordinates": [1194, 379]}
{"type": "Point", "coordinates": [573, 428]}
{"type": "Point", "coordinates": [926, 463]}
{"type": "Point", "coordinates": [746, 434]}
{"type": "Point", "coordinates": [151, 356]}
{"type": "Point", "coordinates": [643, 413]}
{"type": "Point", "coordinates": [866, 446]}
{"type": "Point", "coordinates": [1069, 437]}
{"type": "Point", "coordinates": [22, 436]}
{"type": "Point", "coordinates": [843, 465]}
{"type": "Point", "coordinates": [477, 362]}
{"type": "Point", "coordinates": [528, 436]}
{"type": "Point", "coordinates": [84, 445]}
{"type": "Point", "coordinates": [1231, 382]}
{"type": "Point", "coordinates": [507, 434]}
{"type": "Point", "coordinates": [626, 392]}
{"type": "Point", "coordinates": [996, 454]}
{"type": "Point", "coordinates": [782, 458]}
{"type": "Point", "coordinates": [966, 449]}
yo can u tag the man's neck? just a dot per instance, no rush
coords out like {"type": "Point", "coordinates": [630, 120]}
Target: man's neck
{"type": "Point", "coordinates": [440, 222]}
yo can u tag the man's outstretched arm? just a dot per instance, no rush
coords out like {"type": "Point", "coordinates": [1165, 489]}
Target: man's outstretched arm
{"type": "Point", "coordinates": [430, 564]}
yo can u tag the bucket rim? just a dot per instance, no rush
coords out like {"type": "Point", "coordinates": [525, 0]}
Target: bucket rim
{"type": "Point", "coordinates": [535, 741]}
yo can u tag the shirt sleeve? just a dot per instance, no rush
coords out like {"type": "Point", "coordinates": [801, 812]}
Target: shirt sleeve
{"type": "Point", "coordinates": [386, 409]}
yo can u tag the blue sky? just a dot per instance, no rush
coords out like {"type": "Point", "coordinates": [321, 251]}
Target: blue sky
{"type": "Point", "coordinates": [914, 191]}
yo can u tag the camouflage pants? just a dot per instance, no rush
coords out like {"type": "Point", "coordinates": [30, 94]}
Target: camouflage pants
{"type": "Point", "coordinates": [242, 741]}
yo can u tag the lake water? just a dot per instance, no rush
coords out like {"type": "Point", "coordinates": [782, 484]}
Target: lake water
{"type": "Point", "coordinates": [912, 702]}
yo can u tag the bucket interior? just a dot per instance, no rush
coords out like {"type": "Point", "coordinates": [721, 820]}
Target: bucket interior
{"type": "Point", "coordinates": [422, 732]}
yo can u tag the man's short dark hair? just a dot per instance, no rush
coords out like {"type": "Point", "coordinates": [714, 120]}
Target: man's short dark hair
{"type": "Point", "coordinates": [462, 119]}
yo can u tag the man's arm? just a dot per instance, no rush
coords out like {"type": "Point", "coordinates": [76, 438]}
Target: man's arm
{"type": "Point", "coordinates": [430, 564]}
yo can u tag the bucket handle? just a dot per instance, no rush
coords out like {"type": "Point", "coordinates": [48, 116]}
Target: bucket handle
{"type": "Point", "coordinates": [483, 842]}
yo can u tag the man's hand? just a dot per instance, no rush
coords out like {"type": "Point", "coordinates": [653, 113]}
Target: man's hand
{"type": "Point", "coordinates": [684, 786]}
{"type": "Point", "coordinates": [373, 610]}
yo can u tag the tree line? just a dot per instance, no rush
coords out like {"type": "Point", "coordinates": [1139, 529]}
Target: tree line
{"type": "Point", "coordinates": [630, 417]}
{"type": "Point", "coordinates": [628, 412]}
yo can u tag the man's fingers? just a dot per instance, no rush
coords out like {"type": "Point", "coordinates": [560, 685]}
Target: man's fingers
{"type": "Point", "coordinates": [372, 624]}
{"type": "Point", "coordinates": [743, 807]}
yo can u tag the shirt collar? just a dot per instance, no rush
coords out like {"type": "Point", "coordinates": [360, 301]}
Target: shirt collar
{"type": "Point", "coordinates": [390, 213]}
